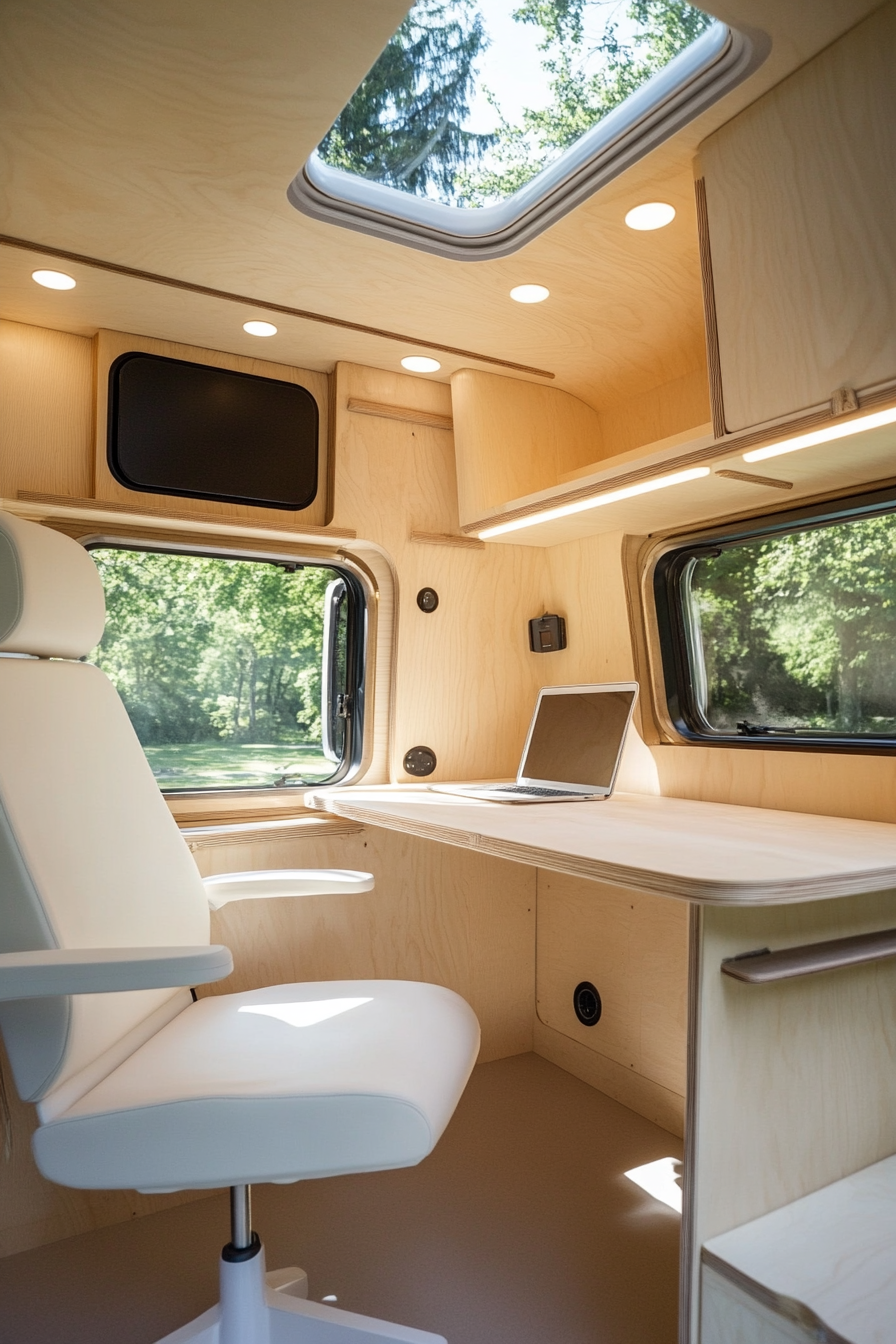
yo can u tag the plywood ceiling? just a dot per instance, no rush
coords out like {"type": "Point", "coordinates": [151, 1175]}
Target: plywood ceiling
{"type": "Point", "coordinates": [162, 137]}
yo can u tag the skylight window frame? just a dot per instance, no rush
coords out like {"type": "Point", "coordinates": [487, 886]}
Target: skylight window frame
{"type": "Point", "coordinates": [696, 78]}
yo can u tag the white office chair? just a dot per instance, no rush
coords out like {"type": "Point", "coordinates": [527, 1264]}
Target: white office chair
{"type": "Point", "coordinates": [104, 924]}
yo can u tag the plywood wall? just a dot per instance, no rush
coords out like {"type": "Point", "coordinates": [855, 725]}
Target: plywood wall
{"type": "Point", "coordinates": [634, 949]}
{"type": "Point", "coordinates": [465, 680]}
{"type": "Point", "coordinates": [47, 413]}
{"type": "Point", "coordinates": [657, 413]}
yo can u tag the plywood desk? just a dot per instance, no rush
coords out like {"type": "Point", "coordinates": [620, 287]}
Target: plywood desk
{"type": "Point", "coordinates": [790, 1086]}
{"type": "Point", "coordinates": [709, 853]}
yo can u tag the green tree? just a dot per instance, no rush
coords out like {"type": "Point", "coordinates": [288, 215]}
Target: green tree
{"type": "Point", "coordinates": [203, 649]}
{"type": "Point", "coordinates": [260, 669]}
{"type": "Point", "coordinates": [800, 630]}
{"type": "Point", "coordinates": [744, 675]}
{"type": "Point", "coordinates": [403, 126]}
{"type": "Point", "coordinates": [587, 80]}
{"type": "Point", "coordinates": [830, 600]}
{"type": "Point", "coordinates": [157, 619]}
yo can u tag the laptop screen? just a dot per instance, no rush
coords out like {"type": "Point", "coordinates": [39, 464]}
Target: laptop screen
{"type": "Point", "coordinates": [576, 737]}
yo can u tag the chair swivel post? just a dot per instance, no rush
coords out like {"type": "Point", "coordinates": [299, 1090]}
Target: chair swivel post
{"type": "Point", "coordinates": [240, 1217]}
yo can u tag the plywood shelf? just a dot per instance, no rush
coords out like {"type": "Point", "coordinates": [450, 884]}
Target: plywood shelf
{"type": "Point", "coordinates": [732, 486]}
{"type": "Point", "coordinates": [824, 1262]}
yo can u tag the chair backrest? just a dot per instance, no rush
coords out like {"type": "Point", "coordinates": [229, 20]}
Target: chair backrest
{"type": "Point", "coordinates": [90, 855]}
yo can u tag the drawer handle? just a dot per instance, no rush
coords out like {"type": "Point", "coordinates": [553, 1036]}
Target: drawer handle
{"type": "Point", "coordinates": [762, 967]}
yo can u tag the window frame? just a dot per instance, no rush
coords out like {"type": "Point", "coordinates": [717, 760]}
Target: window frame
{"type": "Point", "coordinates": [696, 78]}
{"type": "Point", "coordinates": [359, 636]}
{"type": "Point", "coordinates": [673, 636]}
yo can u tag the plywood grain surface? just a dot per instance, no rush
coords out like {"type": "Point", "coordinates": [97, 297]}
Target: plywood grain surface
{"type": "Point", "coordinates": [792, 1084]}
{"type": "Point", "coordinates": [826, 1260]}
{"type": "Point", "coordinates": [633, 948]}
{"type": "Point", "coordinates": [706, 852]}
{"type": "Point", "coordinates": [801, 197]}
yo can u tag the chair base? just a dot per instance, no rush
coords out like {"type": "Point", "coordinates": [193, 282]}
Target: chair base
{"type": "Point", "coordinates": [253, 1312]}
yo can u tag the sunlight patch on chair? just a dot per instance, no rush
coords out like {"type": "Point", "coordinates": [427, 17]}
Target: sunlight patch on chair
{"type": "Point", "coordinates": [304, 1014]}
{"type": "Point", "coordinates": [660, 1179]}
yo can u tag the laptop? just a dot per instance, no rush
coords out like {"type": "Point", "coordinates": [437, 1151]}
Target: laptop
{"type": "Point", "coordinates": [572, 750]}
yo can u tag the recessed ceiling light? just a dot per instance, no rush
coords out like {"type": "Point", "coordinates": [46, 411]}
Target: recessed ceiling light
{"type": "Point", "coordinates": [260, 328]}
{"type": "Point", "coordinates": [420, 364]}
{"type": "Point", "coordinates": [53, 279]}
{"type": "Point", "coordinates": [529, 293]}
{"type": "Point", "coordinates": [652, 215]}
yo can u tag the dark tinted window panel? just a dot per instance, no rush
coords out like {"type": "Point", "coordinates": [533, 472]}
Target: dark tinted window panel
{"type": "Point", "coordinates": [177, 428]}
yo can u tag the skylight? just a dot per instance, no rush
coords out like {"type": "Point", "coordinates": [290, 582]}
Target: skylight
{"type": "Point", "coordinates": [484, 115]}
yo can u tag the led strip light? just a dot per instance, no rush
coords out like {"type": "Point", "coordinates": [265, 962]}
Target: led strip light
{"type": "Point", "coordinates": [827, 435]}
{"type": "Point", "coordinates": [594, 502]}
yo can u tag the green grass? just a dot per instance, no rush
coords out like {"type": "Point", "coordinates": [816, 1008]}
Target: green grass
{"type": "Point", "coordinates": [229, 765]}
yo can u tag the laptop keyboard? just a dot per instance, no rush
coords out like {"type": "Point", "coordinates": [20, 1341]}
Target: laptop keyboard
{"type": "Point", "coordinates": [533, 791]}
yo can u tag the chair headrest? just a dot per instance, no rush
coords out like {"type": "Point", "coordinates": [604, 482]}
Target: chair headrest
{"type": "Point", "coordinates": [51, 597]}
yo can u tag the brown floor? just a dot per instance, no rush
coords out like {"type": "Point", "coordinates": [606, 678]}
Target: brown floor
{"type": "Point", "coordinates": [519, 1229]}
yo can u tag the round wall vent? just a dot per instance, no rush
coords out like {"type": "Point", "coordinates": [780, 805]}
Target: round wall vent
{"type": "Point", "coordinates": [587, 1004]}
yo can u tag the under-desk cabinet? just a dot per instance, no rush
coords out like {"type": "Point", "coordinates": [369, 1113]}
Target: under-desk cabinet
{"type": "Point", "coordinates": [792, 1100]}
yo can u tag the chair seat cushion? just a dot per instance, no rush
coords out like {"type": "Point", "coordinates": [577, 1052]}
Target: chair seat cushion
{"type": "Point", "coordinates": [277, 1084]}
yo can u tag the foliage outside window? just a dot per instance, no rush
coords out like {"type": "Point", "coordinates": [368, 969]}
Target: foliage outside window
{"type": "Point", "coordinates": [220, 664]}
{"type": "Point", "coordinates": [786, 636]}
{"type": "Point", "coordinates": [443, 114]}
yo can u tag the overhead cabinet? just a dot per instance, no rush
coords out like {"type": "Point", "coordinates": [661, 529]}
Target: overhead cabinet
{"type": "Point", "coordinates": [799, 245]}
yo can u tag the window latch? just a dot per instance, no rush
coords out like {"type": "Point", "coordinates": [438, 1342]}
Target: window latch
{"type": "Point", "coordinates": [343, 706]}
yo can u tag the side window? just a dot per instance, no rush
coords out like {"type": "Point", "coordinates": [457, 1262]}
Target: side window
{"type": "Point", "coordinates": [785, 633]}
{"type": "Point", "coordinates": [237, 673]}
{"type": "Point", "coordinates": [335, 696]}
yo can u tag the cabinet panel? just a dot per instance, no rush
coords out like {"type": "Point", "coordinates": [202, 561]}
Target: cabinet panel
{"type": "Point", "coordinates": [633, 948]}
{"type": "Point", "coordinates": [514, 438]}
{"type": "Point", "coordinates": [728, 1315]}
{"type": "Point", "coordinates": [111, 344]}
{"type": "Point", "coordinates": [801, 197]}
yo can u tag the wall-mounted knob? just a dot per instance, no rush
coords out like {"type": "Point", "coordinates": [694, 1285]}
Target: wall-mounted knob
{"type": "Point", "coordinates": [419, 761]}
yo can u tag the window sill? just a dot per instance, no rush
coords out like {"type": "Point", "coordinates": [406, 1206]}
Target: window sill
{"type": "Point", "coordinates": [306, 826]}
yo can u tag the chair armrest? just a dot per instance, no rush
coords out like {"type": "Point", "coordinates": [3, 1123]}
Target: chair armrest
{"type": "Point", "coordinates": [284, 882]}
{"type": "Point", "coordinates": [106, 970]}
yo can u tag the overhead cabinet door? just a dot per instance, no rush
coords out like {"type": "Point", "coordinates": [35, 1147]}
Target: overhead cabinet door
{"type": "Point", "coordinates": [801, 204]}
